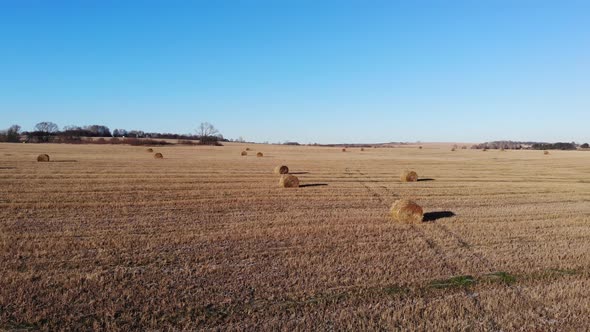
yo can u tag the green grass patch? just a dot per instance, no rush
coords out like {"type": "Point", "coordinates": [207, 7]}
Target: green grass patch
{"type": "Point", "coordinates": [503, 277]}
{"type": "Point", "coordinates": [394, 290]}
{"type": "Point", "coordinates": [567, 272]}
{"type": "Point", "coordinates": [453, 282]}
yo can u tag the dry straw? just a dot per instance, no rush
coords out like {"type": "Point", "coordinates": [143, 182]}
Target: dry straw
{"type": "Point", "coordinates": [244, 153]}
{"type": "Point", "coordinates": [281, 169]}
{"type": "Point", "coordinates": [406, 211]}
{"type": "Point", "coordinates": [289, 181]}
{"type": "Point", "coordinates": [409, 176]}
{"type": "Point", "coordinates": [259, 154]}
{"type": "Point", "coordinates": [43, 158]}
{"type": "Point", "coordinates": [158, 155]}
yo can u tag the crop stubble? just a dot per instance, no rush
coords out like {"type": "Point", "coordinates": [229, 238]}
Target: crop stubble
{"type": "Point", "coordinates": [205, 238]}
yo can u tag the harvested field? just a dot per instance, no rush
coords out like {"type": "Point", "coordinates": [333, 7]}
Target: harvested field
{"type": "Point", "coordinates": [208, 241]}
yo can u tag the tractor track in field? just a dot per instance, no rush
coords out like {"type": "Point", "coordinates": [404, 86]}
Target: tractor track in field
{"type": "Point", "coordinates": [431, 242]}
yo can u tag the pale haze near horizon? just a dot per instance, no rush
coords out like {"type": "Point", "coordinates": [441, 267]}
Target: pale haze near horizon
{"type": "Point", "coordinates": [335, 72]}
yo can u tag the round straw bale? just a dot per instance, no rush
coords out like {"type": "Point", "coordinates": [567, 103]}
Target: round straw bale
{"type": "Point", "coordinates": [282, 169]}
{"type": "Point", "coordinates": [158, 155]}
{"type": "Point", "coordinates": [485, 149]}
{"type": "Point", "coordinates": [453, 149]}
{"type": "Point", "coordinates": [150, 150]}
{"type": "Point", "coordinates": [362, 149]}
{"type": "Point", "coordinates": [244, 153]}
{"type": "Point", "coordinates": [343, 149]}
{"type": "Point", "coordinates": [409, 176]}
{"type": "Point", "coordinates": [420, 147]}
{"type": "Point", "coordinates": [407, 211]}
{"type": "Point", "coordinates": [43, 158]}
{"type": "Point", "coordinates": [259, 154]}
{"type": "Point", "coordinates": [247, 149]}
{"type": "Point", "coordinates": [289, 181]}
{"type": "Point", "coordinates": [546, 152]}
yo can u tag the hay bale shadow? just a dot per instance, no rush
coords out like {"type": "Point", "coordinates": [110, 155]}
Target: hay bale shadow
{"type": "Point", "coordinates": [63, 161]}
{"type": "Point", "coordinates": [298, 173]}
{"type": "Point", "coordinates": [433, 216]}
{"type": "Point", "coordinates": [313, 185]}
{"type": "Point", "coordinates": [425, 179]}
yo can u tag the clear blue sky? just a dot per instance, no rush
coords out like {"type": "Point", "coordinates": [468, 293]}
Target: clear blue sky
{"type": "Point", "coordinates": [307, 71]}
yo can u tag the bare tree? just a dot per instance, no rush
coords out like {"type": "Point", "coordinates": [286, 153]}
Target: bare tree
{"type": "Point", "coordinates": [120, 133]}
{"type": "Point", "coordinates": [71, 128]}
{"type": "Point", "coordinates": [14, 129]}
{"type": "Point", "coordinates": [46, 127]}
{"type": "Point", "coordinates": [208, 135]}
{"type": "Point", "coordinates": [207, 130]}
{"type": "Point", "coordinates": [98, 130]}
{"type": "Point", "coordinates": [11, 134]}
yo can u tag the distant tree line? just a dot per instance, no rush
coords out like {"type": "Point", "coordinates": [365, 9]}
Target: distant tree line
{"type": "Point", "coordinates": [206, 134]}
{"type": "Point", "coordinates": [529, 145]}
{"type": "Point", "coordinates": [503, 145]}
{"type": "Point", "coordinates": [45, 132]}
{"type": "Point", "coordinates": [555, 146]}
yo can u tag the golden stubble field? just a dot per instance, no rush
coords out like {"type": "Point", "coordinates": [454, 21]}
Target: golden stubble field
{"type": "Point", "coordinates": [107, 237]}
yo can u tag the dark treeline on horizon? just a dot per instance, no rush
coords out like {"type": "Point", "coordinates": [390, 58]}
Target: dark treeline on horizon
{"type": "Point", "coordinates": [46, 132]}
{"type": "Point", "coordinates": [511, 145]}
{"type": "Point", "coordinates": [49, 132]}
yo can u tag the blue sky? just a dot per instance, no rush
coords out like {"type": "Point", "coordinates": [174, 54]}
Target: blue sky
{"type": "Point", "coordinates": [307, 71]}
